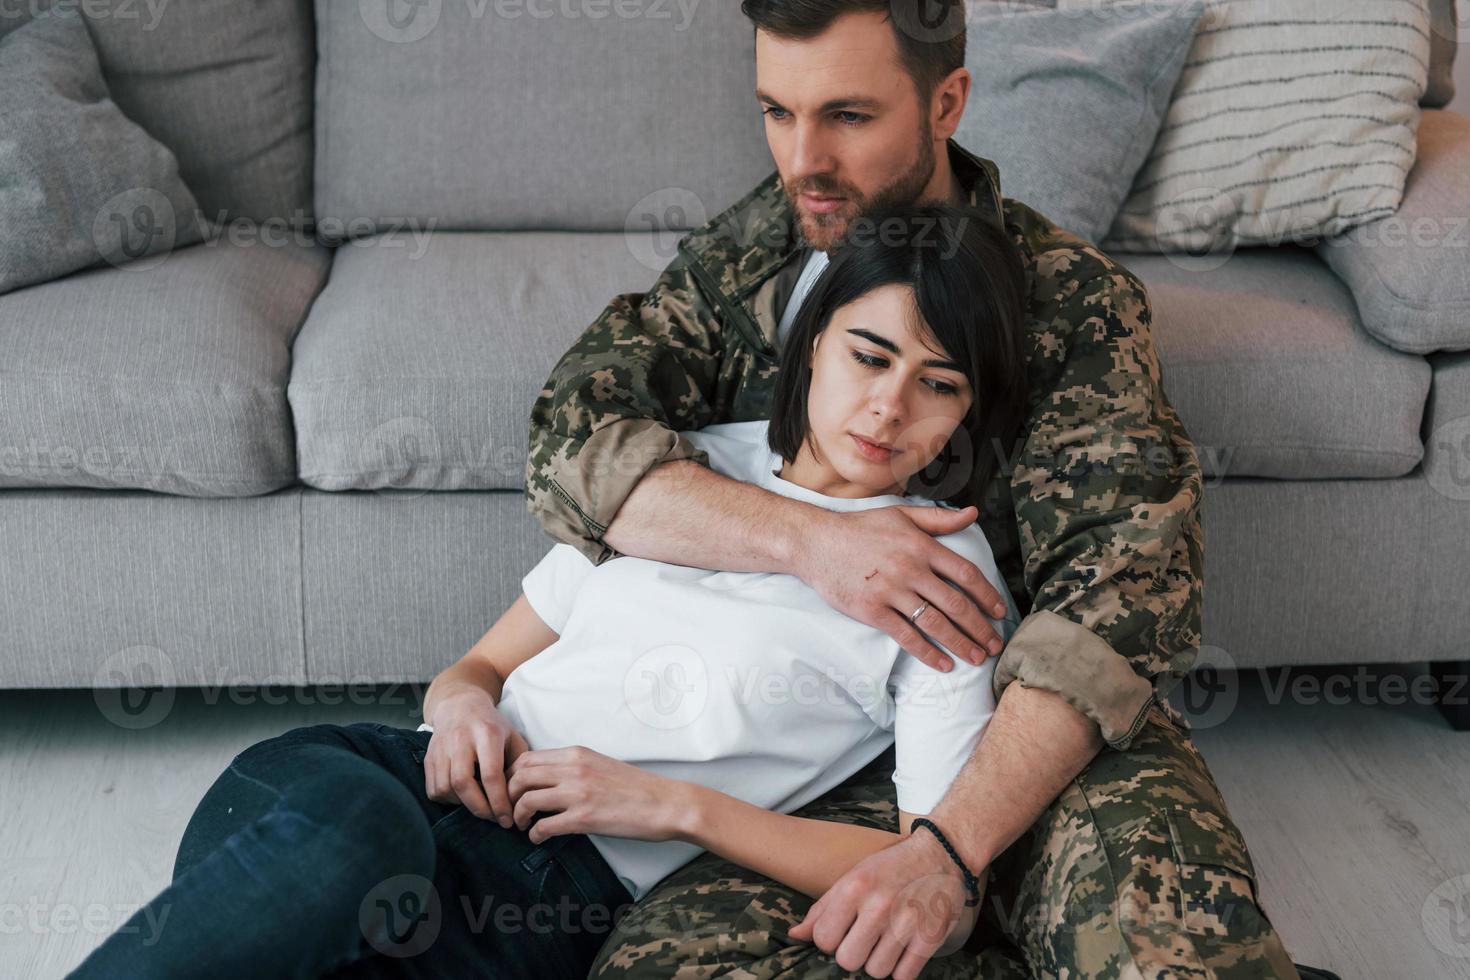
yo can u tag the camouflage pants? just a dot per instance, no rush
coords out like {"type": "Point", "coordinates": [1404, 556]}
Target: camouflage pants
{"type": "Point", "coordinates": [1135, 870]}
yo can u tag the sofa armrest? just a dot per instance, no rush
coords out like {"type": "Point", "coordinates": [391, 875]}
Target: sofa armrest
{"type": "Point", "coordinates": [1410, 271]}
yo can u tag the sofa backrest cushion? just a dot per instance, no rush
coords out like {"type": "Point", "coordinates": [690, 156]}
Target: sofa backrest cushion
{"type": "Point", "coordinates": [515, 114]}
{"type": "Point", "coordinates": [226, 85]}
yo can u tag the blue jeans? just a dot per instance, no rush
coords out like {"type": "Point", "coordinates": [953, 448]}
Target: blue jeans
{"type": "Point", "coordinates": [316, 853]}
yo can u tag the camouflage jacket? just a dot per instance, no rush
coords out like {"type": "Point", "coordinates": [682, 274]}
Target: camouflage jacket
{"type": "Point", "coordinates": [1096, 526]}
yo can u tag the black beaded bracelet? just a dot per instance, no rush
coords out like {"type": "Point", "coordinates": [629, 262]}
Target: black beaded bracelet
{"type": "Point", "coordinates": [972, 884]}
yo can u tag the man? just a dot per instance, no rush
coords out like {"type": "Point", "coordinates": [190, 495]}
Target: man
{"type": "Point", "coordinates": [1109, 850]}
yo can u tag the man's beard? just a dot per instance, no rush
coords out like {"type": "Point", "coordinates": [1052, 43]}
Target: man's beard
{"type": "Point", "coordinates": [825, 231]}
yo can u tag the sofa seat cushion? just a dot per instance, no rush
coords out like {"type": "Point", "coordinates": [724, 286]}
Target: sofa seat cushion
{"type": "Point", "coordinates": [420, 361]}
{"type": "Point", "coordinates": [1272, 372]}
{"type": "Point", "coordinates": [166, 374]}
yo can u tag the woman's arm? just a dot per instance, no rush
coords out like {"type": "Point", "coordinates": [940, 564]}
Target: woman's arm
{"type": "Point", "coordinates": [808, 855]}
{"type": "Point", "coordinates": [472, 742]}
{"type": "Point", "coordinates": [515, 638]}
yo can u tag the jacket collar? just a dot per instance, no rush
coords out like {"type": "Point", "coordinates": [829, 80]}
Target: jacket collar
{"type": "Point", "coordinates": [748, 242]}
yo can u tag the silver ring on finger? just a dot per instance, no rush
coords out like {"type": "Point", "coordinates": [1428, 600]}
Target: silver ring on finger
{"type": "Point", "coordinates": [914, 618]}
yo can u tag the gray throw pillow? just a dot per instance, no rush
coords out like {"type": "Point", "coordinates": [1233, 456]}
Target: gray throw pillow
{"type": "Point", "coordinates": [226, 85]}
{"type": "Point", "coordinates": [1410, 271]}
{"type": "Point", "coordinates": [80, 183]}
{"type": "Point", "coordinates": [1446, 31]}
{"type": "Point", "coordinates": [1067, 102]}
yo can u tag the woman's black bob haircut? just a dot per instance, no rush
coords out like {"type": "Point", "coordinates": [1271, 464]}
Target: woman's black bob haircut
{"type": "Point", "coordinates": [970, 288]}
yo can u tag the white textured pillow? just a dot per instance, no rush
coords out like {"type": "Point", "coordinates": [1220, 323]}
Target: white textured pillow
{"type": "Point", "coordinates": [1292, 120]}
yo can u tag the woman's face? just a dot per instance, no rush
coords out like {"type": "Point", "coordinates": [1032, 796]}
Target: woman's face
{"type": "Point", "coordinates": [875, 377]}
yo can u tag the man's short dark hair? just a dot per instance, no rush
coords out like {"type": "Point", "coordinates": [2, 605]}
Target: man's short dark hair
{"type": "Point", "coordinates": [930, 33]}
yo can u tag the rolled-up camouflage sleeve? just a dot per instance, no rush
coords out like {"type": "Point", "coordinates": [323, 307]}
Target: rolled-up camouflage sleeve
{"type": "Point", "coordinates": [614, 407]}
{"type": "Point", "coordinates": [1107, 494]}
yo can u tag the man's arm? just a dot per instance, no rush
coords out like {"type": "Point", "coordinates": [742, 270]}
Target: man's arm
{"type": "Point", "coordinates": [1010, 778]}
{"type": "Point", "coordinates": [615, 404]}
{"type": "Point", "coordinates": [688, 514]}
{"type": "Point", "coordinates": [1107, 495]}
{"type": "Point", "coordinates": [1008, 783]}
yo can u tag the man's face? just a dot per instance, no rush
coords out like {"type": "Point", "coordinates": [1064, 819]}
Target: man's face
{"type": "Point", "coordinates": [844, 124]}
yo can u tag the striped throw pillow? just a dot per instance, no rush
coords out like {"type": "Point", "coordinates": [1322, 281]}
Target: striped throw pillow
{"type": "Point", "coordinates": [1292, 120]}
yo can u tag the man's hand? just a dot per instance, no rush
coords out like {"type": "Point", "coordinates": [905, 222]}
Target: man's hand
{"type": "Point", "coordinates": [894, 911]}
{"type": "Point", "coordinates": [470, 749]}
{"type": "Point", "coordinates": [877, 566]}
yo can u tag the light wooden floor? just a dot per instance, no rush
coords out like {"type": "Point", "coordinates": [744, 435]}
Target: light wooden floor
{"type": "Point", "coordinates": [1358, 814]}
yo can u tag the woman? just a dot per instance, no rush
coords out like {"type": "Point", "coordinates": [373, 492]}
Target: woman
{"type": "Point", "coordinates": [621, 718]}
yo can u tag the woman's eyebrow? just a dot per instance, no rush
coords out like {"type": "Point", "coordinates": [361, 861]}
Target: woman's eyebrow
{"type": "Point", "coordinates": [890, 346]}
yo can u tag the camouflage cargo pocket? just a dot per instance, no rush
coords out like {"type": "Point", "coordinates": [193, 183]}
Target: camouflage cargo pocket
{"type": "Point", "coordinates": [1217, 893]}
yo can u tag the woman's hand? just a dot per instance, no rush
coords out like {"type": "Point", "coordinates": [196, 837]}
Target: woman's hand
{"type": "Point", "coordinates": [591, 793]}
{"type": "Point", "coordinates": [471, 747]}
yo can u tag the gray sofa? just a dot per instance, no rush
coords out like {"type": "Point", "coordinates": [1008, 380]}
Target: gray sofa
{"type": "Point", "coordinates": [293, 453]}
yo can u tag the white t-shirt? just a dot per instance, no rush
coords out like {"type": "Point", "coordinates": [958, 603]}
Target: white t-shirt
{"type": "Point", "coordinates": [747, 682]}
{"type": "Point", "coordinates": [815, 264]}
